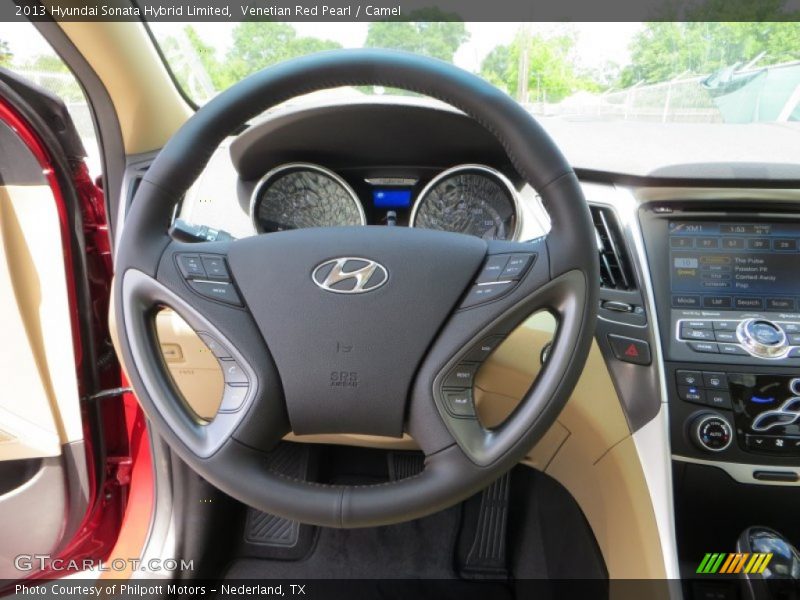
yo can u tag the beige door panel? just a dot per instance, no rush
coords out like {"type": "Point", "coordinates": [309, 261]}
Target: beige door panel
{"type": "Point", "coordinates": [39, 405]}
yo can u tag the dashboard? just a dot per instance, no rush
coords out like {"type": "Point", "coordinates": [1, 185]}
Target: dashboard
{"type": "Point", "coordinates": [699, 315]}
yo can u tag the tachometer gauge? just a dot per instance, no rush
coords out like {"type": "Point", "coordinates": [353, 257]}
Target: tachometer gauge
{"type": "Point", "coordinates": [471, 199]}
{"type": "Point", "coordinates": [299, 195]}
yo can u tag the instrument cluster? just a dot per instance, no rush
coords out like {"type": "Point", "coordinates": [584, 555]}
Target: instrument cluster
{"type": "Point", "coordinates": [472, 199]}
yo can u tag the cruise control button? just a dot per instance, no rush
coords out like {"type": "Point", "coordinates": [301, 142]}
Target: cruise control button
{"type": "Point", "coordinates": [217, 290]}
{"type": "Point", "coordinates": [485, 293]}
{"type": "Point", "coordinates": [689, 377]}
{"type": "Point", "coordinates": [215, 267]}
{"type": "Point", "coordinates": [517, 265]}
{"type": "Point", "coordinates": [484, 348]}
{"type": "Point", "coordinates": [190, 265]}
{"type": "Point", "coordinates": [708, 347]}
{"type": "Point", "coordinates": [492, 268]}
{"type": "Point", "coordinates": [692, 394]}
{"type": "Point", "coordinates": [233, 373]}
{"type": "Point", "coordinates": [233, 398]}
{"type": "Point", "coordinates": [733, 349]}
{"type": "Point", "coordinates": [216, 348]}
{"type": "Point", "coordinates": [630, 350]}
{"type": "Point", "coordinates": [459, 404]}
{"type": "Point", "coordinates": [718, 399]}
{"type": "Point", "coordinates": [718, 381]}
{"type": "Point", "coordinates": [461, 376]}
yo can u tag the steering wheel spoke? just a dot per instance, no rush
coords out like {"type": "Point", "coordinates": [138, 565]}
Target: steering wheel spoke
{"type": "Point", "coordinates": [522, 272]}
{"type": "Point", "coordinates": [194, 281]}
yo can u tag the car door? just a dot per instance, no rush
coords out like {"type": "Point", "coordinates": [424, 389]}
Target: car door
{"type": "Point", "coordinates": [57, 482]}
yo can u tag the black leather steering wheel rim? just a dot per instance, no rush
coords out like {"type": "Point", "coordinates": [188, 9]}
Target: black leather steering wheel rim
{"type": "Point", "coordinates": [461, 457]}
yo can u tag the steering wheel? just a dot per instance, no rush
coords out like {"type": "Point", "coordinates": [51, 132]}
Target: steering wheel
{"type": "Point", "coordinates": [369, 330]}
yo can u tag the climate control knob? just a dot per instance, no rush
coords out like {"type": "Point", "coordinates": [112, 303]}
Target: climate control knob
{"type": "Point", "coordinates": [762, 338]}
{"type": "Point", "coordinates": [711, 432]}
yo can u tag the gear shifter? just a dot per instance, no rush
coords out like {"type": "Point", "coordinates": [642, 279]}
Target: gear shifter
{"type": "Point", "coordinates": [781, 579]}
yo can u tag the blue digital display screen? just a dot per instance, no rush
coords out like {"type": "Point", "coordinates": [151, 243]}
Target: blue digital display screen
{"type": "Point", "coordinates": [391, 198]}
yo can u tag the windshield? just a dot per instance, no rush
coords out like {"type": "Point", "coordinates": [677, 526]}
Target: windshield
{"type": "Point", "coordinates": [664, 72]}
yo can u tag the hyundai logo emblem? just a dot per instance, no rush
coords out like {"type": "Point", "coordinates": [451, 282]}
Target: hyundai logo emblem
{"type": "Point", "coordinates": [350, 275]}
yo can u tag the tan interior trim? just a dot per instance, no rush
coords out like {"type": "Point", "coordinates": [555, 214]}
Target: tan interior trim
{"type": "Point", "coordinates": [39, 405]}
{"type": "Point", "coordinates": [149, 107]}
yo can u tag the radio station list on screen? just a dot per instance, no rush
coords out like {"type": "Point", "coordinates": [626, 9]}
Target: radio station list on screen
{"type": "Point", "coordinates": [735, 266]}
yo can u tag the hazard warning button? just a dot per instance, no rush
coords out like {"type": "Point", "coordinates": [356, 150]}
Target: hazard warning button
{"type": "Point", "coordinates": [630, 349]}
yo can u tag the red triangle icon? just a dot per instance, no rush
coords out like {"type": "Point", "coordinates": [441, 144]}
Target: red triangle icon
{"type": "Point", "coordinates": [632, 350]}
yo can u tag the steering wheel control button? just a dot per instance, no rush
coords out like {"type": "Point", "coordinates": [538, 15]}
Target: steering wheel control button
{"type": "Point", "coordinates": [191, 266]}
{"type": "Point", "coordinates": [459, 403]}
{"type": "Point", "coordinates": [630, 350]}
{"type": "Point", "coordinates": [486, 346]}
{"type": "Point", "coordinates": [517, 265]}
{"type": "Point", "coordinates": [215, 267]}
{"type": "Point", "coordinates": [718, 381]}
{"type": "Point", "coordinates": [492, 268]}
{"type": "Point", "coordinates": [216, 290]}
{"type": "Point", "coordinates": [233, 373]}
{"type": "Point", "coordinates": [711, 433]}
{"type": "Point", "coordinates": [762, 338]}
{"type": "Point", "coordinates": [461, 376]}
{"type": "Point", "coordinates": [485, 292]}
{"type": "Point", "coordinates": [692, 394]}
{"type": "Point", "coordinates": [216, 348]}
{"type": "Point", "coordinates": [708, 347]}
{"type": "Point", "coordinates": [233, 398]}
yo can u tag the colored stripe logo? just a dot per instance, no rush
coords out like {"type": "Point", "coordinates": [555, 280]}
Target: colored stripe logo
{"type": "Point", "coordinates": [733, 562]}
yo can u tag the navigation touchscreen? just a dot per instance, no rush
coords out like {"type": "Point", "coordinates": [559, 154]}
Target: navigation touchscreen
{"type": "Point", "coordinates": [735, 266]}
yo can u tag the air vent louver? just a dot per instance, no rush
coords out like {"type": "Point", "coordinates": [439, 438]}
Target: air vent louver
{"type": "Point", "coordinates": [615, 267]}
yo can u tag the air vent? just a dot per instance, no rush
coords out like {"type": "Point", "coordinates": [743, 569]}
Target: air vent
{"type": "Point", "coordinates": [615, 266]}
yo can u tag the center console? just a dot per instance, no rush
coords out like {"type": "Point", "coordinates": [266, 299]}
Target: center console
{"type": "Point", "coordinates": [727, 289]}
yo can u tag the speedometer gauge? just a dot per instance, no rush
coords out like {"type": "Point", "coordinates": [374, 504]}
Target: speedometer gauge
{"type": "Point", "coordinates": [471, 199]}
{"type": "Point", "coordinates": [299, 195]}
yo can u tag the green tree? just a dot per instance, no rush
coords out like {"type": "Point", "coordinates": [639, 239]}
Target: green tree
{"type": "Point", "coordinates": [662, 51]}
{"type": "Point", "coordinates": [438, 39]}
{"type": "Point", "coordinates": [5, 54]}
{"type": "Point", "coordinates": [552, 70]}
{"type": "Point", "coordinates": [259, 44]}
{"type": "Point", "coordinates": [49, 63]}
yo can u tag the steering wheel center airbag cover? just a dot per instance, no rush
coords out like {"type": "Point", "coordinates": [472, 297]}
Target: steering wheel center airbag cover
{"type": "Point", "coordinates": [347, 361]}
